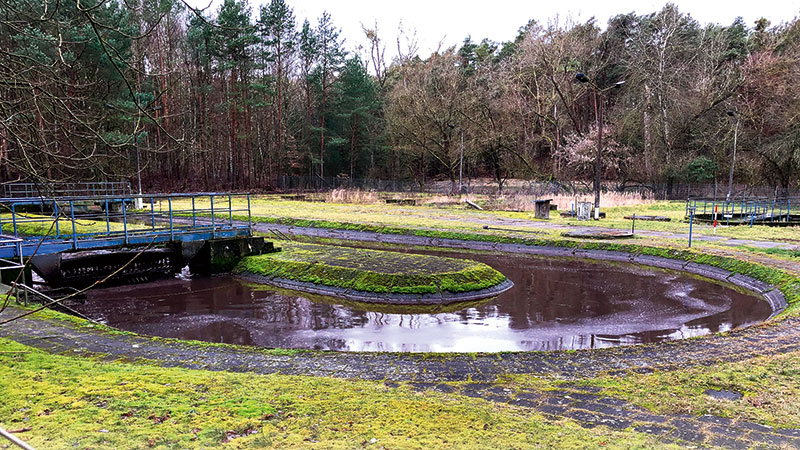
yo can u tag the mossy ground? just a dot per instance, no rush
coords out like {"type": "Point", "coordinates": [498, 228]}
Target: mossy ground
{"type": "Point", "coordinates": [459, 217]}
{"type": "Point", "coordinates": [387, 308]}
{"type": "Point", "coordinates": [70, 402]}
{"type": "Point", "coordinates": [68, 399]}
{"type": "Point", "coordinates": [372, 270]}
{"type": "Point", "coordinates": [770, 385]}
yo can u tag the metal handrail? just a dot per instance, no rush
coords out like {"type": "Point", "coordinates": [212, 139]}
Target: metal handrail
{"type": "Point", "coordinates": [102, 221]}
{"type": "Point", "coordinates": [753, 209]}
{"type": "Point", "coordinates": [16, 189]}
{"type": "Point", "coordinates": [37, 200]}
{"type": "Point", "coordinates": [15, 440]}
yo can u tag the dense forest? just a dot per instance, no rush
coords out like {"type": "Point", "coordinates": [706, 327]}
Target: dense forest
{"type": "Point", "coordinates": [238, 97]}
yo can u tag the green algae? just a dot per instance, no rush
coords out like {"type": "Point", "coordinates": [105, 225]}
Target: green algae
{"type": "Point", "coordinates": [372, 270]}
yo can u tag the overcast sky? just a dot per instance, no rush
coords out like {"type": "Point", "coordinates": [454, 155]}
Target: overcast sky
{"type": "Point", "coordinates": [449, 22]}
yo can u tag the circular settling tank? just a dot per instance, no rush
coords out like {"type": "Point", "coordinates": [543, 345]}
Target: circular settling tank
{"type": "Point", "coordinates": [554, 305]}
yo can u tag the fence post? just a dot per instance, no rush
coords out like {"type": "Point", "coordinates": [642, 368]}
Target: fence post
{"type": "Point", "coordinates": [194, 214]}
{"type": "Point", "coordinates": [152, 214]}
{"type": "Point", "coordinates": [125, 220]}
{"type": "Point", "coordinates": [230, 211]}
{"type": "Point", "coordinates": [249, 217]}
{"type": "Point", "coordinates": [72, 219]}
{"type": "Point", "coordinates": [171, 229]}
{"type": "Point", "coordinates": [55, 212]}
{"type": "Point", "coordinates": [213, 219]}
{"type": "Point", "coordinates": [108, 220]}
{"type": "Point", "coordinates": [14, 218]}
{"type": "Point", "coordinates": [691, 222]}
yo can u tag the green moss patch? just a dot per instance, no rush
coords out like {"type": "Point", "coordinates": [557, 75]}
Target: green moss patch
{"type": "Point", "coordinates": [67, 402]}
{"type": "Point", "coordinates": [372, 271]}
{"type": "Point", "coordinates": [388, 308]}
{"type": "Point", "coordinates": [770, 385]}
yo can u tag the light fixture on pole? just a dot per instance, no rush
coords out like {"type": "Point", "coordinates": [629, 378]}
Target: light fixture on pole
{"type": "Point", "coordinates": [461, 157]}
{"type": "Point", "coordinates": [598, 114]}
{"type": "Point", "coordinates": [136, 134]}
{"type": "Point", "coordinates": [461, 163]}
{"type": "Point", "coordinates": [732, 113]}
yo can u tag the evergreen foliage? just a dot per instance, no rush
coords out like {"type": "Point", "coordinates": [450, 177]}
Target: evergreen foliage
{"type": "Point", "coordinates": [237, 98]}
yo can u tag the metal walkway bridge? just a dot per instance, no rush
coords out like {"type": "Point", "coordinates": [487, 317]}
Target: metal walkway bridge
{"type": "Point", "coordinates": [775, 211]}
{"type": "Point", "coordinates": [26, 190]}
{"type": "Point", "coordinates": [40, 226]}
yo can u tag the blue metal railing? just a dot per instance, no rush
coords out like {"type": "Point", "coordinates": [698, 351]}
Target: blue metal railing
{"type": "Point", "coordinates": [93, 222]}
{"type": "Point", "coordinates": [764, 210]}
{"type": "Point", "coordinates": [17, 189]}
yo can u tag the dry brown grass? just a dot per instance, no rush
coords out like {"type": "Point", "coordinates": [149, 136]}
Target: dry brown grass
{"type": "Point", "coordinates": [449, 200]}
{"type": "Point", "coordinates": [525, 202]}
{"type": "Point", "coordinates": [351, 196]}
{"type": "Point", "coordinates": [509, 202]}
{"type": "Point", "coordinates": [607, 199]}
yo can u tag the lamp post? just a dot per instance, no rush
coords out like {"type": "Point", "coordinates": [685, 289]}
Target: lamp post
{"type": "Point", "coordinates": [461, 163]}
{"type": "Point", "coordinates": [138, 169]}
{"type": "Point", "coordinates": [136, 135]}
{"type": "Point", "coordinates": [460, 158]}
{"type": "Point", "coordinates": [732, 113]}
{"type": "Point", "coordinates": [598, 114]}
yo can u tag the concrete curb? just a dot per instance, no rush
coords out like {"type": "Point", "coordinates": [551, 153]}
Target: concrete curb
{"type": "Point", "coordinates": [770, 293]}
{"type": "Point", "coordinates": [441, 298]}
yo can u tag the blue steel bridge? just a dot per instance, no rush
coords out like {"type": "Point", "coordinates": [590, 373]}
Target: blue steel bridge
{"type": "Point", "coordinates": [29, 225]}
{"type": "Point", "coordinates": [21, 189]}
{"type": "Point", "coordinates": [78, 240]}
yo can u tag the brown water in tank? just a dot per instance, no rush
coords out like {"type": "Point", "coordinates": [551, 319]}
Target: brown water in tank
{"type": "Point", "coordinates": [554, 305]}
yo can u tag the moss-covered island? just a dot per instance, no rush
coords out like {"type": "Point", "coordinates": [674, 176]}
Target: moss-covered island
{"type": "Point", "coordinates": [375, 275]}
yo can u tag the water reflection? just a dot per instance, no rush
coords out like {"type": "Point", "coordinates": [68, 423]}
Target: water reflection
{"type": "Point", "coordinates": [554, 304]}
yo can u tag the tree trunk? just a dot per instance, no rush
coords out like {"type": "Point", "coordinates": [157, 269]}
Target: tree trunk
{"type": "Point", "coordinates": [232, 147]}
{"type": "Point", "coordinates": [322, 132]}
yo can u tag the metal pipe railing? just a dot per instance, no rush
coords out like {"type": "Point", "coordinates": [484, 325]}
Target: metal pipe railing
{"type": "Point", "coordinates": [748, 210]}
{"type": "Point", "coordinates": [114, 217]}
{"type": "Point", "coordinates": [83, 188]}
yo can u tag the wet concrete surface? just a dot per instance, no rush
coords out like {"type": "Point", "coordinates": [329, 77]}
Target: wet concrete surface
{"type": "Point", "coordinates": [555, 305]}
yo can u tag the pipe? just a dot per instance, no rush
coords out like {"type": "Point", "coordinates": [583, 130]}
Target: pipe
{"type": "Point", "coordinates": [15, 440]}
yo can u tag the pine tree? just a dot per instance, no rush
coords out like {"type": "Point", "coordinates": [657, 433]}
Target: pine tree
{"type": "Point", "coordinates": [278, 32]}
{"type": "Point", "coordinates": [331, 55]}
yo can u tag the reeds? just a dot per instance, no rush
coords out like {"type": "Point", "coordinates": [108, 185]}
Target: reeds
{"type": "Point", "coordinates": [351, 196]}
{"type": "Point", "coordinates": [504, 202]}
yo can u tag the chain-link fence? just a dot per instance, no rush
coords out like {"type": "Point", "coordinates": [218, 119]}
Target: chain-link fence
{"type": "Point", "coordinates": [663, 191]}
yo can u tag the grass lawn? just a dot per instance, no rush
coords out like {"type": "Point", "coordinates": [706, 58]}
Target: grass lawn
{"type": "Point", "coordinates": [458, 216]}
{"type": "Point", "coordinates": [71, 402]}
